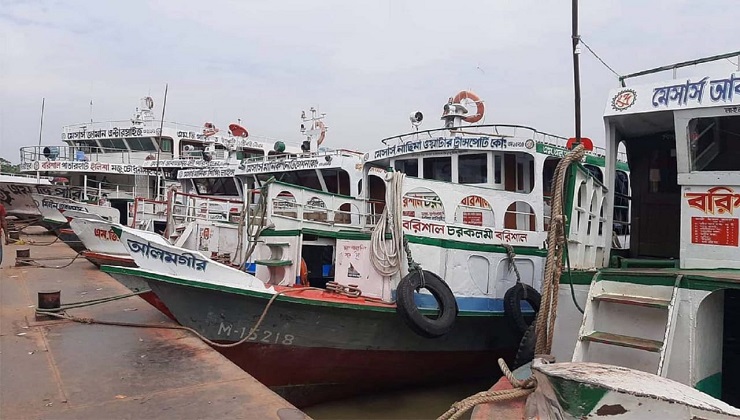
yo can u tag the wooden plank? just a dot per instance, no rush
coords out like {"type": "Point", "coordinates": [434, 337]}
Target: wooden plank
{"type": "Point", "coordinates": [633, 300]}
{"type": "Point", "coordinates": [624, 341]}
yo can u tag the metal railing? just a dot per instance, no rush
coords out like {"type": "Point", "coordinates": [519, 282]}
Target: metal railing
{"type": "Point", "coordinates": [30, 154]}
{"type": "Point", "coordinates": [492, 130]}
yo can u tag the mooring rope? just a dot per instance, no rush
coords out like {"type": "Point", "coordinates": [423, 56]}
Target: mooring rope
{"type": "Point", "coordinates": [545, 322]}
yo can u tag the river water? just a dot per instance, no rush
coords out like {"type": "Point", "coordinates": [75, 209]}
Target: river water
{"type": "Point", "coordinates": [415, 403]}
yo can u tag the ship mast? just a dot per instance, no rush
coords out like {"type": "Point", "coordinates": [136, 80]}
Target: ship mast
{"type": "Point", "coordinates": [576, 72]}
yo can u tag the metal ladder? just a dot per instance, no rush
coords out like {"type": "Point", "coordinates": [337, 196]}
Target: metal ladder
{"type": "Point", "coordinates": [598, 294]}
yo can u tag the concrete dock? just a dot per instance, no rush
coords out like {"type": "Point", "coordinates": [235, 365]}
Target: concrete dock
{"type": "Point", "coordinates": [63, 369]}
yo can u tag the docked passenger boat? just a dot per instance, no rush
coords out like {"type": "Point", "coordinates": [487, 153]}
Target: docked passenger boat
{"type": "Point", "coordinates": [467, 203]}
{"type": "Point", "coordinates": [119, 161]}
{"type": "Point", "coordinates": [657, 338]}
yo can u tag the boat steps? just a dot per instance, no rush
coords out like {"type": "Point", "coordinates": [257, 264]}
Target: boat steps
{"type": "Point", "coordinates": [608, 320]}
{"type": "Point", "coordinates": [633, 300]}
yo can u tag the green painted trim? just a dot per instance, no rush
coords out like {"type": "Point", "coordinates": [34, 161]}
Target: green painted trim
{"type": "Point", "coordinates": [274, 263]}
{"type": "Point", "coordinates": [667, 277]}
{"type": "Point", "coordinates": [267, 296]}
{"type": "Point", "coordinates": [576, 398]}
{"type": "Point", "coordinates": [469, 246]}
{"type": "Point", "coordinates": [711, 385]}
{"type": "Point", "coordinates": [421, 240]}
{"type": "Point", "coordinates": [578, 277]}
{"type": "Point", "coordinates": [599, 161]}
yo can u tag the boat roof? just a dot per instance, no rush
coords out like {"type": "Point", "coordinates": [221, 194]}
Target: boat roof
{"type": "Point", "coordinates": [480, 138]}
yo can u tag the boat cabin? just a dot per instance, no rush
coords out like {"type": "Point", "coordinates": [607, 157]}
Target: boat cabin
{"type": "Point", "coordinates": [682, 141]}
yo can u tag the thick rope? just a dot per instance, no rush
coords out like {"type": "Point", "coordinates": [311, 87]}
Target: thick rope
{"type": "Point", "coordinates": [545, 326]}
{"type": "Point", "coordinates": [548, 309]}
{"type": "Point", "coordinates": [178, 327]}
{"type": "Point", "coordinates": [386, 256]}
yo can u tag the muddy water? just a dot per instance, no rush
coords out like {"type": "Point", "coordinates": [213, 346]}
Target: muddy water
{"type": "Point", "coordinates": [417, 403]}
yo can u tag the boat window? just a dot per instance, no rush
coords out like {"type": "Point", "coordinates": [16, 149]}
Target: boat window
{"type": "Point", "coordinates": [166, 144]}
{"type": "Point", "coordinates": [438, 168]}
{"type": "Point", "coordinates": [497, 169]}
{"type": "Point", "coordinates": [595, 172]}
{"type": "Point", "coordinates": [714, 143]}
{"type": "Point", "coordinates": [114, 144]}
{"type": "Point", "coordinates": [548, 172]}
{"type": "Point", "coordinates": [141, 144]}
{"type": "Point", "coordinates": [88, 146]}
{"type": "Point", "coordinates": [475, 211]}
{"type": "Point", "coordinates": [520, 216]}
{"type": "Point", "coordinates": [473, 169]}
{"type": "Point", "coordinates": [336, 180]}
{"type": "Point", "coordinates": [621, 203]}
{"type": "Point", "coordinates": [216, 186]}
{"type": "Point", "coordinates": [423, 203]}
{"type": "Point", "coordinates": [408, 166]}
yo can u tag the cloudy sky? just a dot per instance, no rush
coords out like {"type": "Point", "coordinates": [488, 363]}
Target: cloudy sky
{"type": "Point", "coordinates": [367, 64]}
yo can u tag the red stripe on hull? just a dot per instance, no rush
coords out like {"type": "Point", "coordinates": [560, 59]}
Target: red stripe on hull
{"type": "Point", "coordinates": [153, 300]}
{"type": "Point", "coordinates": [107, 259]}
{"type": "Point", "coordinates": [306, 376]}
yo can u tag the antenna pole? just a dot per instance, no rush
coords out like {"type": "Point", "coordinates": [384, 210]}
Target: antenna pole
{"type": "Point", "coordinates": [159, 138]}
{"type": "Point", "coordinates": [41, 126]}
{"type": "Point", "coordinates": [576, 73]}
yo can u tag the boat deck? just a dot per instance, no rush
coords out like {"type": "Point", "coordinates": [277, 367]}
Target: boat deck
{"type": "Point", "coordinates": [64, 369]}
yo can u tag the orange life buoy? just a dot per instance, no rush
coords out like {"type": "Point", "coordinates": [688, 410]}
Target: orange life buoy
{"type": "Point", "coordinates": [320, 125]}
{"type": "Point", "coordinates": [480, 108]}
{"type": "Point", "coordinates": [304, 273]}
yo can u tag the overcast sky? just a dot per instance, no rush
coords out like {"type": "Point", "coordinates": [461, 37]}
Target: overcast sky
{"type": "Point", "coordinates": [367, 64]}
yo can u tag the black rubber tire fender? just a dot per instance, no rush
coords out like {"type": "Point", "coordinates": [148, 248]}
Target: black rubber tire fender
{"type": "Point", "coordinates": [513, 304]}
{"type": "Point", "coordinates": [525, 353]}
{"type": "Point", "coordinates": [413, 317]}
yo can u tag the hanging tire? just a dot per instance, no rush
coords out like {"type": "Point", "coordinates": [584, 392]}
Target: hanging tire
{"type": "Point", "coordinates": [525, 354]}
{"type": "Point", "coordinates": [513, 304]}
{"type": "Point", "coordinates": [410, 313]}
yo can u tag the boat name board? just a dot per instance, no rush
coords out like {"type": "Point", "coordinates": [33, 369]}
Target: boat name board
{"type": "Point", "coordinates": [284, 165]}
{"type": "Point", "coordinates": [113, 132]}
{"type": "Point", "coordinates": [445, 143]}
{"type": "Point", "coordinates": [17, 192]}
{"type": "Point", "coordinates": [673, 95]}
{"type": "Point", "coordinates": [72, 166]}
{"type": "Point", "coordinates": [206, 173]}
{"type": "Point", "coordinates": [150, 251]}
{"type": "Point", "coordinates": [51, 204]}
{"type": "Point", "coordinates": [183, 163]}
{"type": "Point", "coordinates": [418, 226]}
{"type": "Point", "coordinates": [106, 235]}
{"type": "Point", "coordinates": [722, 199]}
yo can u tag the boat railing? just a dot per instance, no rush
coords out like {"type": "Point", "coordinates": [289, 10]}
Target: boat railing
{"type": "Point", "coordinates": [492, 130]}
{"type": "Point", "coordinates": [183, 208]}
{"type": "Point", "coordinates": [144, 210]}
{"type": "Point", "coordinates": [112, 125]}
{"type": "Point", "coordinates": [587, 230]}
{"type": "Point", "coordinates": [30, 154]}
{"type": "Point", "coordinates": [308, 155]}
{"type": "Point", "coordinates": [290, 202]}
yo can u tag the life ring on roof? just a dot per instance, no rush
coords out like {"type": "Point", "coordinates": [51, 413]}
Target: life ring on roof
{"type": "Point", "coordinates": [409, 312]}
{"type": "Point", "coordinates": [238, 131]}
{"type": "Point", "coordinates": [209, 129]}
{"type": "Point", "coordinates": [320, 125]}
{"type": "Point", "coordinates": [480, 108]}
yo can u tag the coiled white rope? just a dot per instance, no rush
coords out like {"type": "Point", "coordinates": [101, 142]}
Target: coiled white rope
{"type": "Point", "coordinates": [386, 255]}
